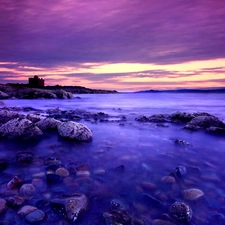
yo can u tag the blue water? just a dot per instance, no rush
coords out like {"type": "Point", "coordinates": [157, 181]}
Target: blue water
{"type": "Point", "coordinates": [147, 151]}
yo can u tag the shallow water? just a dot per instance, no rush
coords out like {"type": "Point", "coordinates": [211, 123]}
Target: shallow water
{"type": "Point", "coordinates": [146, 151]}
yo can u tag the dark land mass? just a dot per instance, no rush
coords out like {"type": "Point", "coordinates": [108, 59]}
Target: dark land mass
{"type": "Point", "coordinates": [24, 91]}
{"type": "Point", "coordinates": [215, 90]}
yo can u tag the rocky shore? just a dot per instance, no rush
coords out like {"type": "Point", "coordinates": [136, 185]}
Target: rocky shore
{"type": "Point", "coordinates": [54, 192]}
{"type": "Point", "coordinates": [18, 91]}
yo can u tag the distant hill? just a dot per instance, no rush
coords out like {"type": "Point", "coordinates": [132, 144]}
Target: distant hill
{"type": "Point", "coordinates": [213, 90]}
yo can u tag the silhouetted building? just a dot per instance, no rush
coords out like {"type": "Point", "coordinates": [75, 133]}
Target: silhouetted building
{"type": "Point", "coordinates": [36, 82]}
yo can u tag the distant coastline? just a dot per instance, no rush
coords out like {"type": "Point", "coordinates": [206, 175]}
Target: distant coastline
{"type": "Point", "coordinates": [210, 90]}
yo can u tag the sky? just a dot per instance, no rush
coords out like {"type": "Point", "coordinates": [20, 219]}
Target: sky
{"type": "Point", "coordinates": [124, 45]}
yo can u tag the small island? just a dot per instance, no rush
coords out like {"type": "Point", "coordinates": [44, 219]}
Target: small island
{"type": "Point", "coordinates": [36, 89]}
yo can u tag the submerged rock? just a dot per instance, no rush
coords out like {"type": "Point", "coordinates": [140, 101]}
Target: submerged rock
{"type": "Point", "coordinates": [22, 129]}
{"type": "Point", "coordinates": [74, 131]}
{"type": "Point", "coordinates": [182, 142]}
{"type": "Point", "coordinates": [27, 191]}
{"type": "Point", "coordinates": [180, 211]}
{"type": "Point", "coordinates": [35, 216]}
{"type": "Point", "coordinates": [14, 183]}
{"type": "Point", "coordinates": [192, 194]}
{"type": "Point", "coordinates": [26, 209]}
{"type": "Point", "coordinates": [24, 158]}
{"type": "Point", "coordinates": [70, 206]}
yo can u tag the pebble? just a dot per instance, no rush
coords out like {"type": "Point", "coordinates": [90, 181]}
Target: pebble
{"type": "Point", "coordinates": [83, 167]}
{"type": "Point", "coordinates": [168, 180]}
{"type": "Point", "coordinates": [148, 186]}
{"type": "Point", "coordinates": [180, 211]}
{"type": "Point", "coordinates": [2, 205]}
{"type": "Point", "coordinates": [192, 194]}
{"type": "Point", "coordinates": [27, 191]}
{"type": "Point", "coordinates": [180, 171]}
{"type": "Point", "coordinates": [14, 183]}
{"type": "Point", "coordinates": [62, 172]}
{"type": "Point", "coordinates": [35, 216]}
{"type": "Point", "coordinates": [99, 172]}
{"type": "Point", "coordinates": [39, 175]}
{"type": "Point", "coordinates": [83, 173]}
{"type": "Point", "coordinates": [26, 210]}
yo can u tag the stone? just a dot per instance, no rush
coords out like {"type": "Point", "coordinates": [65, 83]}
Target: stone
{"type": "Point", "coordinates": [83, 167]}
{"type": "Point", "coordinates": [48, 123]}
{"type": "Point", "coordinates": [83, 173]}
{"type": "Point", "coordinates": [22, 129]}
{"type": "Point", "coordinates": [182, 116]}
{"type": "Point", "coordinates": [168, 180]}
{"type": "Point", "coordinates": [158, 118]}
{"type": "Point", "coordinates": [6, 115]}
{"type": "Point", "coordinates": [74, 131]}
{"type": "Point", "coordinates": [180, 211]}
{"type": "Point", "coordinates": [192, 194]}
{"type": "Point", "coordinates": [3, 95]}
{"type": "Point", "coordinates": [70, 206]}
{"type": "Point", "coordinates": [24, 158]}
{"type": "Point", "coordinates": [62, 172]}
{"type": "Point", "coordinates": [27, 191]}
{"type": "Point", "coordinates": [148, 186]}
{"type": "Point", "coordinates": [14, 183]}
{"type": "Point", "coordinates": [205, 122]}
{"type": "Point", "coordinates": [182, 142]}
{"type": "Point", "coordinates": [26, 209]}
{"type": "Point", "coordinates": [15, 201]}
{"type": "Point", "coordinates": [3, 205]}
{"type": "Point", "coordinates": [33, 118]}
{"type": "Point", "coordinates": [99, 172]}
{"type": "Point", "coordinates": [118, 204]}
{"type": "Point", "coordinates": [180, 171]}
{"type": "Point", "coordinates": [35, 216]}
{"type": "Point", "coordinates": [142, 118]}
{"type": "Point", "coordinates": [216, 130]}
{"type": "Point", "coordinates": [38, 183]}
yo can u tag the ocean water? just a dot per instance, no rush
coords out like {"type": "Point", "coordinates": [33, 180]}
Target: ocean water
{"type": "Point", "coordinates": [146, 152]}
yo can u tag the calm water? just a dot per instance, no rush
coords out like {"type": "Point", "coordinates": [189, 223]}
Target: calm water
{"type": "Point", "coordinates": [146, 151]}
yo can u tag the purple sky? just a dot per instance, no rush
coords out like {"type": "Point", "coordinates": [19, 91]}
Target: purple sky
{"type": "Point", "coordinates": [66, 41]}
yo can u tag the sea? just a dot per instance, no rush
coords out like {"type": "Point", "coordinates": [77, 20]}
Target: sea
{"type": "Point", "coordinates": [129, 161]}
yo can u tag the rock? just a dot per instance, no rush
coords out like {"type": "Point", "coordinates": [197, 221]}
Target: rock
{"type": "Point", "coordinates": [99, 172]}
{"type": "Point", "coordinates": [148, 186]}
{"type": "Point", "coordinates": [35, 216]}
{"type": "Point", "coordinates": [22, 129]}
{"type": "Point", "coordinates": [182, 142]}
{"type": "Point", "coordinates": [216, 130]}
{"type": "Point", "coordinates": [180, 211]}
{"type": "Point", "coordinates": [82, 173]}
{"type": "Point", "coordinates": [3, 95]}
{"type": "Point", "coordinates": [52, 161]}
{"type": "Point", "coordinates": [48, 123]}
{"type": "Point", "coordinates": [33, 118]}
{"type": "Point", "coordinates": [38, 183]}
{"type": "Point", "coordinates": [205, 122]}
{"type": "Point", "coordinates": [24, 158]}
{"type": "Point", "coordinates": [27, 191]}
{"type": "Point", "coordinates": [15, 201]}
{"type": "Point", "coordinates": [83, 167]}
{"type": "Point", "coordinates": [182, 116]}
{"type": "Point", "coordinates": [118, 204]}
{"type": "Point", "coordinates": [192, 194]}
{"type": "Point", "coordinates": [6, 115]}
{"type": "Point", "coordinates": [14, 183]}
{"type": "Point", "coordinates": [62, 172]}
{"type": "Point", "coordinates": [70, 206]}
{"type": "Point", "coordinates": [142, 118]}
{"type": "Point", "coordinates": [74, 131]}
{"type": "Point", "coordinates": [168, 180]}
{"type": "Point", "coordinates": [180, 171]}
{"type": "Point", "coordinates": [161, 222]}
{"type": "Point", "coordinates": [3, 206]}
{"type": "Point", "coordinates": [157, 118]}
{"type": "Point", "coordinates": [26, 210]}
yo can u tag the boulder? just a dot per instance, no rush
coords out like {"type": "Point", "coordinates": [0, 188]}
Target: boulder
{"type": "Point", "coordinates": [48, 123]}
{"type": "Point", "coordinates": [204, 122]}
{"type": "Point", "coordinates": [182, 116]}
{"type": "Point", "coordinates": [216, 130]}
{"type": "Point", "coordinates": [74, 131]}
{"type": "Point", "coordinates": [22, 129]}
{"type": "Point", "coordinates": [33, 118]}
{"type": "Point", "coordinates": [158, 118]}
{"type": "Point", "coordinates": [6, 115]}
{"type": "Point", "coordinates": [142, 118]}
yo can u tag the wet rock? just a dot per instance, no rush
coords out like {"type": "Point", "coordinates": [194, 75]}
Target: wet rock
{"type": "Point", "coordinates": [3, 205]}
{"type": "Point", "coordinates": [52, 161]}
{"type": "Point", "coordinates": [158, 118]}
{"type": "Point", "coordinates": [148, 186]}
{"type": "Point", "coordinates": [22, 129]}
{"type": "Point", "coordinates": [142, 118]}
{"type": "Point", "coordinates": [24, 158]}
{"type": "Point", "coordinates": [182, 116]}
{"type": "Point", "coordinates": [83, 167]}
{"type": "Point", "coordinates": [99, 172]}
{"type": "Point", "coordinates": [182, 142]}
{"type": "Point", "coordinates": [3, 164]}
{"type": "Point", "coordinates": [70, 206]}
{"type": "Point", "coordinates": [180, 211]}
{"type": "Point", "coordinates": [15, 201]}
{"type": "Point", "coordinates": [83, 173]}
{"type": "Point", "coordinates": [62, 172]}
{"type": "Point", "coordinates": [27, 191]}
{"type": "Point", "coordinates": [74, 131]}
{"type": "Point", "coordinates": [26, 210]}
{"type": "Point", "coordinates": [35, 216]}
{"type": "Point", "coordinates": [205, 122]}
{"type": "Point", "coordinates": [48, 123]}
{"type": "Point", "coordinates": [6, 115]}
{"type": "Point", "coordinates": [118, 204]}
{"type": "Point", "coordinates": [168, 180]}
{"type": "Point", "coordinates": [216, 130]}
{"type": "Point", "coordinates": [161, 222]}
{"type": "Point", "coordinates": [180, 171]}
{"type": "Point", "coordinates": [33, 117]}
{"type": "Point", "coordinates": [192, 194]}
{"type": "Point", "coordinates": [14, 183]}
